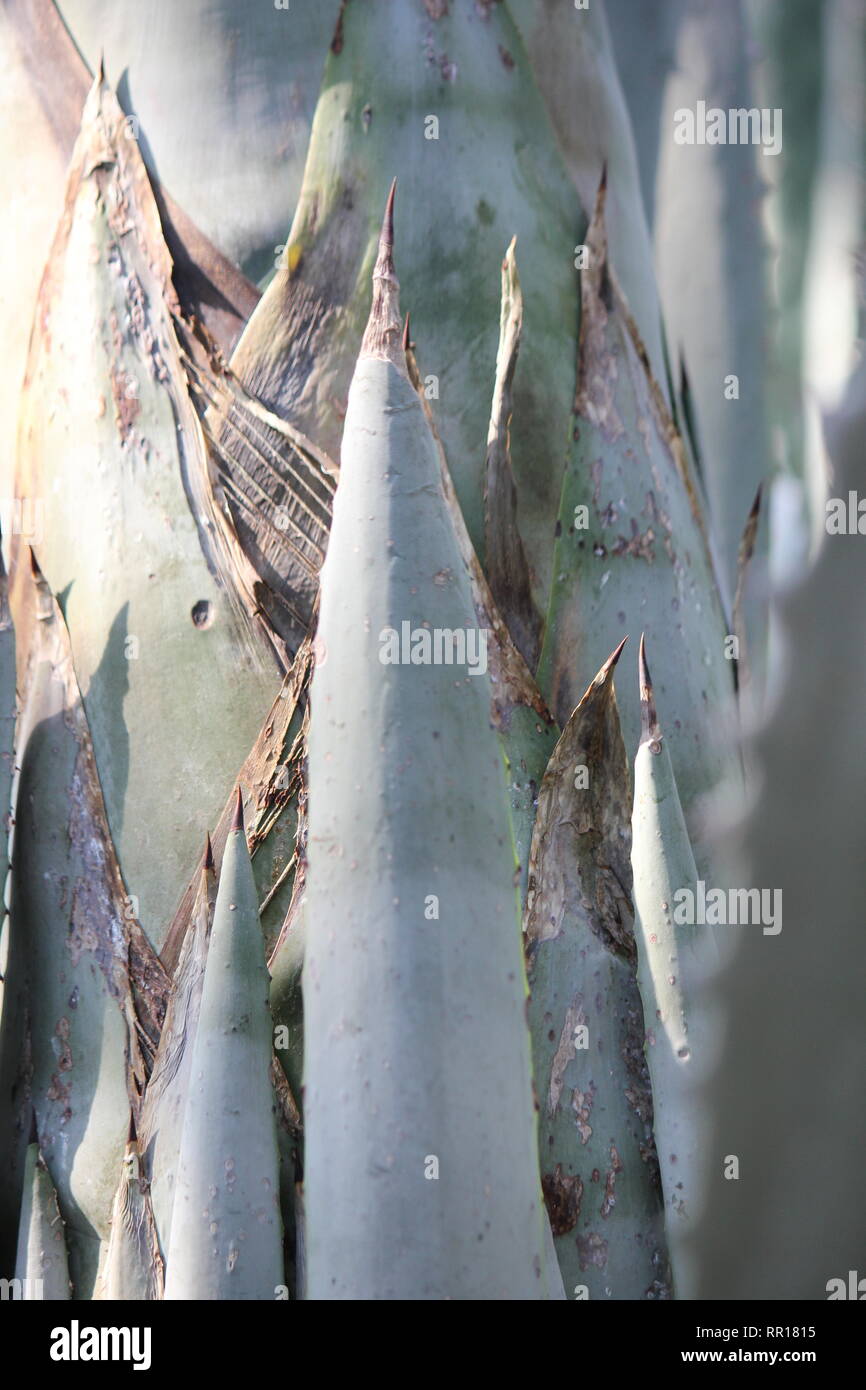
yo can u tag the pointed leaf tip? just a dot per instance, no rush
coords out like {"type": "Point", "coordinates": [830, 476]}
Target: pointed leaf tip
{"type": "Point", "coordinates": [614, 657]}
{"type": "Point", "coordinates": [208, 852]}
{"type": "Point", "coordinates": [238, 818]}
{"type": "Point", "coordinates": [649, 725]}
{"type": "Point", "coordinates": [602, 677]}
{"type": "Point", "coordinates": [406, 339]}
{"type": "Point", "coordinates": [34, 1132]}
{"type": "Point", "coordinates": [386, 237]}
{"type": "Point", "coordinates": [132, 1133]}
{"type": "Point", "coordinates": [383, 336]}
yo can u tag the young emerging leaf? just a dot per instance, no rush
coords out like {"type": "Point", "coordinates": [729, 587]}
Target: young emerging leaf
{"type": "Point", "coordinates": [505, 559]}
{"type": "Point", "coordinates": [595, 1134]}
{"type": "Point", "coordinates": [421, 1182]}
{"type": "Point", "coordinates": [41, 1262]}
{"type": "Point", "coordinates": [226, 1233]}
{"type": "Point", "coordinates": [671, 957]}
{"type": "Point", "coordinates": [161, 1124]}
{"type": "Point", "coordinates": [133, 1268]}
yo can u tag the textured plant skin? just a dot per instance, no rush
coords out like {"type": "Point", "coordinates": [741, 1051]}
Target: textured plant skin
{"type": "Point", "coordinates": [41, 1241]}
{"type": "Point", "coordinates": [671, 962]}
{"type": "Point", "coordinates": [458, 62]}
{"type": "Point", "coordinates": [112, 458]}
{"type": "Point", "coordinates": [638, 556]}
{"type": "Point", "coordinates": [410, 806]}
{"type": "Point", "coordinates": [226, 1232]}
{"type": "Point", "coordinates": [598, 1168]}
{"type": "Point", "coordinates": [322, 1032]}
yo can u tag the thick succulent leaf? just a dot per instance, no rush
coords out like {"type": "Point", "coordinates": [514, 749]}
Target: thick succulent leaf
{"type": "Point", "coordinates": [598, 1166]}
{"type": "Point", "coordinates": [41, 1263]}
{"type": "Point", "coordinates": [713, 287]}
{"type": "Point", "coordinates": [526, 728]}
{"type": "Point", "coordinates": [636, 555]}
{"type": "Point", "coordinates": [110, 440]}
{"type": "Point", "coordinates": [222, 89]}
{"type": "Point", "coordinates": [572, 59]}
{"type": "Point", "coordinates": [85, 995]}
{"type": "Point", "coordinates": [161, 1120]}
{"type": "Point", "coordinates": [494, 172]}
{"type": "Point", "coordinates": [133, 1269]}
{"type": "Point", "coordinates": [672, 960]}
{"type": "Point", "coordinates": [793, 998]}
{"type": "Point", "coordinates": [423, 1182]}
{"type": "Point", "coordinates": [226, 1233]}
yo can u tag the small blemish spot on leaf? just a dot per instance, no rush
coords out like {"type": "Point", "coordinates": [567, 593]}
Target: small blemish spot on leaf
{"type": "Point", "coordinates": [202, 613]}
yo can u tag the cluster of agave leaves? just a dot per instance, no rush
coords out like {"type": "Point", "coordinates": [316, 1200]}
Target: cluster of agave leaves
{"type": "Point", "coordinates": [303, 1062]}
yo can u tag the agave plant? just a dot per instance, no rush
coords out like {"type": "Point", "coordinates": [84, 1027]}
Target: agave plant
{"type": "Point", "coordinates": [342, 957]}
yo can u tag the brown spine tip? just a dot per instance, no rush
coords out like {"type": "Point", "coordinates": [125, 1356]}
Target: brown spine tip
{"type": "Point", "coordinates": [238, 817]}
{"type": "Point", "coordinates": [100, 71]}
{"type": "Point", "coordinates": [649, 725]}
{"type": "Point", "coordinates": [614, 657]}
{"type": "Point", "coordinates": [383, 336]}
{"type": "Point", "coordinates": [34, 1132]}
{"type": "Point", "coordinates": [386, 236]}
{"type": "Point", "coordinates": [132, 1133]}
{"type": "Point", "coordinates": [602, 187]}
{"type": "Point", "coordinates": [406, 338]}
{"type": "Point", "coordinates": [600, 680]}
{"type": "Point", "coordinates": [208, 852]}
